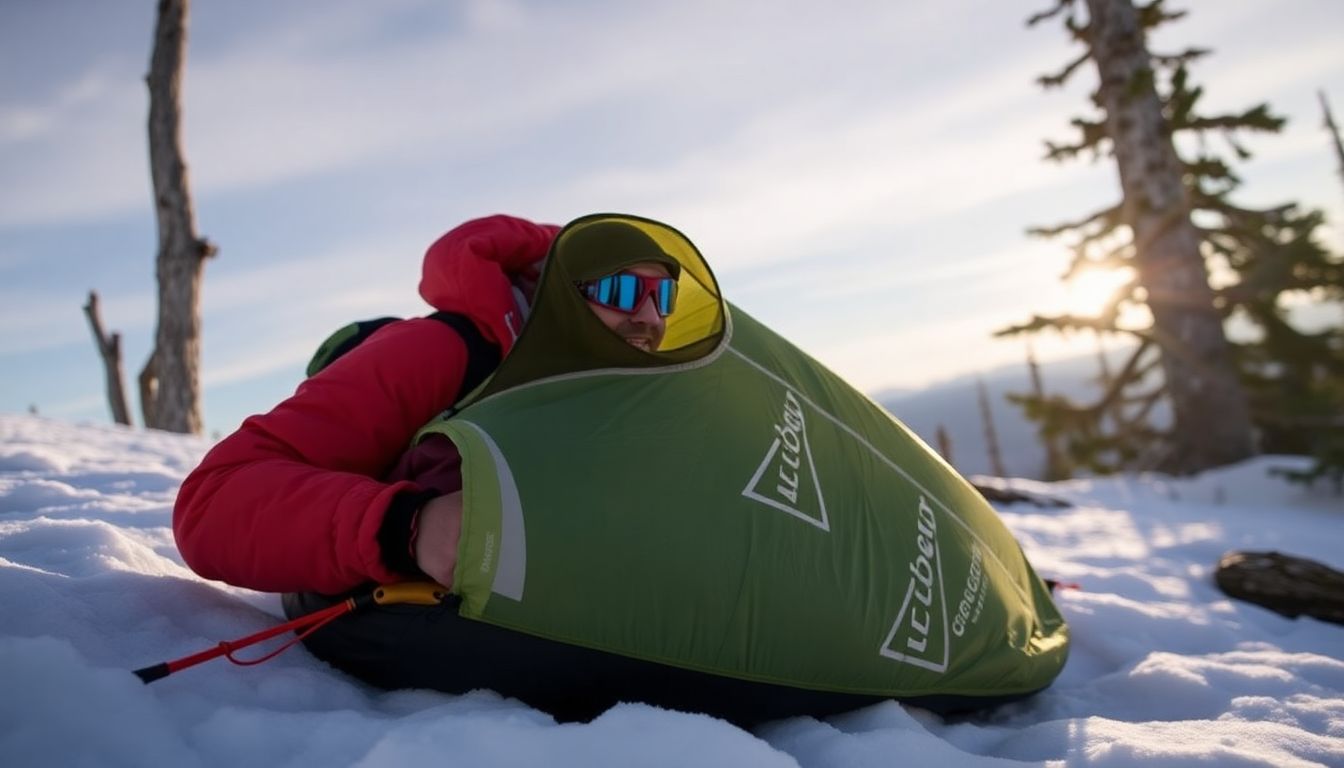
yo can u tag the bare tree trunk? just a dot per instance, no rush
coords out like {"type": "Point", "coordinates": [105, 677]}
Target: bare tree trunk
{"type": "Point", "coordinates": [1212, 420]}
{"type": "Point", "coordinates": [109, 348]}
{"type": "Point", "coordinates": [1334, 132]}
{"type": "Point", "coordinates": [944, 444]}
{"type": "Point", "coordinates": [170, 388]}
{"type": "Point", "coordinates": [1056, 467]}
{"type": "Point", "coordinates": [991, 436]}
{"type": "Point", "coordinates": [1102, 363]}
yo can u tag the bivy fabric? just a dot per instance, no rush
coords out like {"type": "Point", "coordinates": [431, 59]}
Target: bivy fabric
{"type": "Point", "coordinates": [726, 505]}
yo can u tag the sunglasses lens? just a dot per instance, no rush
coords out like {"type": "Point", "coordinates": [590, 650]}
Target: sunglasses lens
{"type": "Point", "coordinates": [599, 290]}
{"type": "Point", "coordinates": [667, 296]}
{"type": "Point", "coordinates": [627, 292]}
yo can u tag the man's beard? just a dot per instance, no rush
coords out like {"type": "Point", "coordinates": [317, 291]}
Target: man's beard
{"type": "Point", "coordinates": [639, 335]}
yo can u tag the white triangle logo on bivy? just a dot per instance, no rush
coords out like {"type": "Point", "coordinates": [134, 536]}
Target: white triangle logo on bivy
{"type": "Point", "coordinates": [919, 635]}
{"type": "Point", "coordinates": [786, 479]}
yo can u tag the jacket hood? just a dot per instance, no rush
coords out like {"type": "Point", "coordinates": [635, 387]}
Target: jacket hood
{"type": "Point", "coordinates": [564, 336]}
{"type": "Point", "coordinates": [472, 269]}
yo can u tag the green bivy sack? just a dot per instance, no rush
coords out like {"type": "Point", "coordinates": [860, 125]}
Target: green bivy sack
{"type": "Point", "coordinates": [726, 504]}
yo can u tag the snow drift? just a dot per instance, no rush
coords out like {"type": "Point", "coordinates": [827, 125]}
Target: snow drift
{"type": "Point", "coordinates": [1164, 669]}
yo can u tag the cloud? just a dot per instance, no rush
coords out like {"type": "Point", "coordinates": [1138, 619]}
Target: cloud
{"type": "Point", "coordinates": [303, 95]}
{"type": "Point", "coordinates": [309, 281]}
{"type": "Point", "coordinates": [292, 354]}
{"type": "Point", "coordinates": [19, 123]}
{"type": "Point", "coordinates": [376, 275]}
{"type": "Point", "coordinates": [805, 179]}
{"type": "Point", "coordinates": [274, 111]}
{"type": "Point", "coordinates": [22, 122]}
{"type": "Point", "coordinates": [77, 155]}
{"type": "Point", "coordinates": [295, 94]}
{"type": "Point", "coordinates": [37, 320]}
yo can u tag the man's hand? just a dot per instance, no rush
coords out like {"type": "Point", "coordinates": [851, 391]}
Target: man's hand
{"type": "Point", "coordinates": [438, 529]}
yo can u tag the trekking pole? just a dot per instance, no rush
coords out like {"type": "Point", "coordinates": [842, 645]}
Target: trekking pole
{"type": "Point", "coordinates": [410, 592]}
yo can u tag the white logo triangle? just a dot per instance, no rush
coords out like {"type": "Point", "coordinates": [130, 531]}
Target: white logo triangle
{"type": "Point", "coordinates": [777, 500]}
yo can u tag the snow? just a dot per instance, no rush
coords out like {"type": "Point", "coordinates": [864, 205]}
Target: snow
{"type": "Point", "coordinates": [1164, 669]}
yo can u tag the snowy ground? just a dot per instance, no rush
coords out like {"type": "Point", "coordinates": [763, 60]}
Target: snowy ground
{"type": "Point", "coordinates": [1164, 670]}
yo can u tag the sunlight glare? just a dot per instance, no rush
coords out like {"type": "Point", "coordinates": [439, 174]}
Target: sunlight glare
{"type": "Point", "coordinates": [1089, 290]}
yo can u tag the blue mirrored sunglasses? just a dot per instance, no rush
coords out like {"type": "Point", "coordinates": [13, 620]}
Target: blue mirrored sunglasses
{"type": "Point", "coordinates": [626, 291]}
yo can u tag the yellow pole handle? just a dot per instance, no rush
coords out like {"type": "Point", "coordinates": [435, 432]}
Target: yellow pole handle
{"type": "Point", "coordinates": [413, 592]}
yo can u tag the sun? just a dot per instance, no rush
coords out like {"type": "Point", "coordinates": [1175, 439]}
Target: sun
{"type": "Point", "coordinates": [1089, 290]}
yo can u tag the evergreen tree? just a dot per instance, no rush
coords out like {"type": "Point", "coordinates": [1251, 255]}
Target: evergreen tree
{"type": "Point", "coordinates": [1251, 265]}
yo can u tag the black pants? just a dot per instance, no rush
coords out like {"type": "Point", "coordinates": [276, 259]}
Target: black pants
{"type": "Point", "coordinates": [413, 646]}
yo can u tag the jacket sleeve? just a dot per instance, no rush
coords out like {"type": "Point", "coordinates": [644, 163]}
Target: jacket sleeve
{"type": "Point", "coordinates": [290, 502]}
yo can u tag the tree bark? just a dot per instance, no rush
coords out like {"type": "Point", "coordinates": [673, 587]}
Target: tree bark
{"type": "Point", "coordinates": [109, 348]}
{"type": "Point", "coordinates": [170, 381]}
{"type": "Point", "coordinates": [1212, 423]}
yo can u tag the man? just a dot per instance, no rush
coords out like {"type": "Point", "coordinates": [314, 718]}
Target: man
{"type": "Point", "coordinates": [321, 495]}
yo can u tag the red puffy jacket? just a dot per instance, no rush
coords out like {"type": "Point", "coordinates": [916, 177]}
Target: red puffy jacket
{"type": "Point", "coordinates": [290, 502]}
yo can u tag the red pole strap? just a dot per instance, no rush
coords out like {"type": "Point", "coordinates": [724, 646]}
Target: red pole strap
{"type": "Point", "coordinates": [412, 592]}
{"type": "Point", "coordinates": [309, 624]}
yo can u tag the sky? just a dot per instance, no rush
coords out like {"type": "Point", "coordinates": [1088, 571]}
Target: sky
{"type": "Point", "coordinates": [860, 175]}
{"type": "Point", "coordinates": [1163, 668]}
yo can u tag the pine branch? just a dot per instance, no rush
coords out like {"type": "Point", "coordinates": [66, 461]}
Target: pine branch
{"type": "Point", "coordinates": [1249, 218]}
{"type": "Point", "coordinates": [1059, 78]}
{"type": "Point", "coordinates": [1210, 168]}
{"type": "Point", "coordinates": [1064, 324]}
{"type": "Point", "coordinates": [1093, 133]}
{"type": "Point", "coordinates": [1153, 15]}
{"type": "Point", "coordinates": [1093, 232]}
{"type": "Point", "coordinates": [1107, 214]}
{"type": "Point", "coordinates": [1046, 15]}
{"type": "Point", "coordinates": [1257, 118]}
{"type": "Point", "coordinates": [1180, 102]}
{"type": "Point", "coordinates": [1122, 379]}
{"type": "Point", "coordinates": [1178, 60]}
{"type": "Point", "coordinates": [1146, 401]}
{"type": "Point", "coordinates": [1120, 256]}
{"type": "Point", "coordinates": [1154, 364]}
{"type": "Point", "coordinates": [1173, 345]}
{"type": "Point", "coordinates": [1238, 148]}
{"type": "Point", "coordinates": [1269, 276]}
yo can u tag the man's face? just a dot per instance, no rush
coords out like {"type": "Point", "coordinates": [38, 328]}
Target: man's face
{"type": "Point", "coordinates": [645, 328]}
